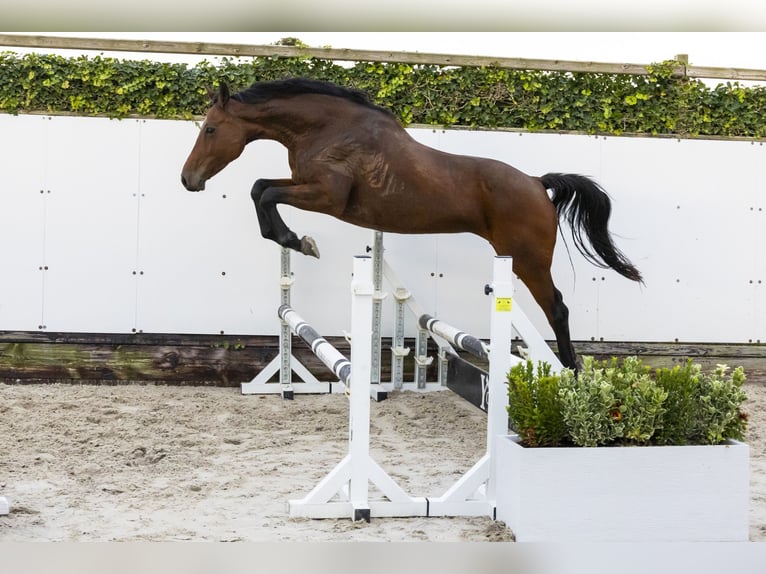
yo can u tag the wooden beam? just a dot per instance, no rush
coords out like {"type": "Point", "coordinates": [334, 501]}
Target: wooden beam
{"type": "Point", "coordinates": [338, 54]}
{"type": "Point", "coordinates": [225, 360]}
{"type": "Point", "coordinates": [229, 360]}
{"type": "Point", "coordinates": [343, 54]}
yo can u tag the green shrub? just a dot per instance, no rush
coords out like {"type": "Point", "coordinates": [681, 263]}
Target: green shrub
{"type": "Point", "coordinates": [641, 399]}
{"type": "Point", "coordinates": [534, 405]}
{"type": "Point", "coordinates": [682, 384]}
{"type": "Point", "coordinates": [702, 408]}
{"type": "Point", "coordinates": [470, 96]}
{"type": "Point", "coordinates": [591, 405]}
{"type": "Point", "coordinates": [719, 414]}
{"type": "Point", "coordinates": [621, 403]}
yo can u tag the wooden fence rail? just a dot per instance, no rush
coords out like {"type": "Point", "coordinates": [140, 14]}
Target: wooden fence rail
{"type": "Point", "coordinates": [341, 54]}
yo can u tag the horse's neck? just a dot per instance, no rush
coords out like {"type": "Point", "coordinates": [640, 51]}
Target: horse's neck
{"type": "Point", "coordinates": [289, 120]}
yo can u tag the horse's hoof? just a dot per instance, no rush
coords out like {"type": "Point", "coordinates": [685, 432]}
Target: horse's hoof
{"type": "Point", "coordinates": [309, 247]}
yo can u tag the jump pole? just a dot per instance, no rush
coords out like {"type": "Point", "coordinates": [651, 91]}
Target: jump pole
{"type": "Point", "coordinates": [344, 492]}
{"type": "Point", "coordinates": [325, 352]}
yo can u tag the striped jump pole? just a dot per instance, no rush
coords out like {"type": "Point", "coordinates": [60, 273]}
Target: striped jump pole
{"type": "Point", "coordinates": [455, 336]}
{"type": "Point", "coordinates": [325, 352]}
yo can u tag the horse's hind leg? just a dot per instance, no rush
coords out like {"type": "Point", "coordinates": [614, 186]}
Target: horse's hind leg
{"type": "Point", "coordinates": [536, 275]}
{"type": "Point", "coordinates": [271, 223]}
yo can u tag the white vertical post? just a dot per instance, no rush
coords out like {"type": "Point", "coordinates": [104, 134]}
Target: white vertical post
{"type": "Point", "coordinates": [398, 351]}
{"type": "Point", "coordinates": [361, 359]}
{"type": "Point", "coordinates": [500, 359]}
{"type": "Point", "coordinates": [474, 494]}
{"type": "Point", "coordinates": [285, 339]}
{"type": "Point", "coordinates": [377, 305]}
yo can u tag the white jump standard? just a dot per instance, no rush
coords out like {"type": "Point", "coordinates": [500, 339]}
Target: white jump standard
{"type": "Point", "coordinates": [474, 493]}
{"type": "Point", "coordinates": [344, 492]}
{"type": "Point", "coordinates": [285, 363]}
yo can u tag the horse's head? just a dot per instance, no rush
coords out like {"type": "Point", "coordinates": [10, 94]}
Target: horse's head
{"type": "Point", "coordinates": [221, 140]}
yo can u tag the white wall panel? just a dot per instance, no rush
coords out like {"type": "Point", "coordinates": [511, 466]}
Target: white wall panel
{"type": "Point", "coordinates": [22, 221]}
{"type": "Point", "coordinates": [690, 214]}
{"type": "Point", "coordinates": [203, 267]}
{"type": "Point", "coordinates": [757, 218]}
{"type": "Point", "coordinates": [684, 211]}
{"type": "Point", "coordinates": [90, 228]}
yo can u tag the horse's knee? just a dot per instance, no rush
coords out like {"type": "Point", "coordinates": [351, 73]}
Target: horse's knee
{"type": "Point", "coordinates": [257, 190]}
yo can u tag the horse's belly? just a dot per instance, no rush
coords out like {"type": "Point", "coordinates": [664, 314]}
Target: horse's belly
{"type": "Point", "coordinates": [406, 213]}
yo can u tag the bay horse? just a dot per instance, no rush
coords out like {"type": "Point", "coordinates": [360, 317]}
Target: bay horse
{"type": "Point", "coordinates": [352, 159]}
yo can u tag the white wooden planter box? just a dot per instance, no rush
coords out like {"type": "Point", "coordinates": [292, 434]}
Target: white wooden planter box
{"type": "Point", "coordinates": [654, 493]}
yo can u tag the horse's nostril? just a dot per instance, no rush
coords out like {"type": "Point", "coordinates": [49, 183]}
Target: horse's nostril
{"type": "Point", "coordinates": [183, 181]}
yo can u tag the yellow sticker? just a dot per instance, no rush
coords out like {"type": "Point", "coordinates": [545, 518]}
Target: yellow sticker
{"type": "Point", "coordinates": [503, 304]}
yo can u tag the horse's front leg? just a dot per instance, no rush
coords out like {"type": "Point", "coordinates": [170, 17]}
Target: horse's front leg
{"type": "Point", "coordinates": [271, 223]}
{"type": "Point", "coordinates": [327, 196]}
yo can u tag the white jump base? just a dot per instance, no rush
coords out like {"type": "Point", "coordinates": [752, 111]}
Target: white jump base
{"type": "Point", "coordinates": [4, 507]}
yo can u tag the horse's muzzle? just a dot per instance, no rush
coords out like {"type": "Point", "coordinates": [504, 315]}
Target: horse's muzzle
{"type": "Point", "coordinates": [190, 185]}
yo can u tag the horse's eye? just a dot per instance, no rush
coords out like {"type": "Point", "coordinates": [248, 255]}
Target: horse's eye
{"type": "Point", "coordinates": [209, 130]}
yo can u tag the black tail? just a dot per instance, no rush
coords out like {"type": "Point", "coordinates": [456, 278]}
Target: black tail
{"type": "Point", "coordinates": [586, 206]}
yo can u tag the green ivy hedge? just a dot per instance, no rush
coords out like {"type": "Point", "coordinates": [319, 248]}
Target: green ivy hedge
{"type": "Point", "coordinates": [484, 97]}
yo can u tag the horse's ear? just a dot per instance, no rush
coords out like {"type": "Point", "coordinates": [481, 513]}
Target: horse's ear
{"type": "Point", "coordinates": [223, 94]}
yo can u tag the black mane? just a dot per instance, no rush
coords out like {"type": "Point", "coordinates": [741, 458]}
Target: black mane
{"type": "Point", "coordinates": [261, 92]}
